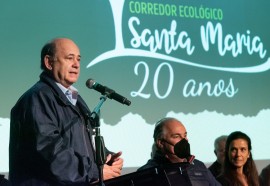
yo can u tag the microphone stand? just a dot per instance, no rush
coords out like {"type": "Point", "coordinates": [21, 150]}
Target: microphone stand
{"type": "Point", "coordinates": [99, 142]}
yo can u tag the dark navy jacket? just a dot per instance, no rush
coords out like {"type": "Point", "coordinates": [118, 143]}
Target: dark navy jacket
{"type": "Point", "coordinates": [215, 169]}
{"type": "Point", "coordinates": [48, 141]}
{"type": "Point", "coordinates": [197, 172]}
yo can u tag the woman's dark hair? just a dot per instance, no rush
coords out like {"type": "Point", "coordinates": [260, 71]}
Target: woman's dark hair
{"type": "Point", "coordinates": [249, 168]}
{"type": "Point", "coordinates": [47, 49]}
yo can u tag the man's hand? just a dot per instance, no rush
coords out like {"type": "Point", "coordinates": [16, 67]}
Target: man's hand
{"type": "Point", "coordinates": [113, 166]}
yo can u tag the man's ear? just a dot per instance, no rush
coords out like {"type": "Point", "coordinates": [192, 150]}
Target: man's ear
{"type": "Point", "coordinates": [160, 143]}
{"type": "Point", "coordinates": [215, 152]}
{"type": "Point", "coordinates": [48, 62]}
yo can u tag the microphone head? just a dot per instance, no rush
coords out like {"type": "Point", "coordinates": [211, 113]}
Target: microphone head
{"type": "Point", "coordinates": [90, 83]}
{"type": "Point", "coordinates": [182, 149]}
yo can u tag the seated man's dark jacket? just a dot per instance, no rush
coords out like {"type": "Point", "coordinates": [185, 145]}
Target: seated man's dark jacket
{"type": "Point", "coordinates": [48, 141]}
{"type": "Point", "coordinates": [160, 160]}
{"type": "Point", "coordinates": [265, 176]}
{"type": "Point", "coordinates": [215, 169]}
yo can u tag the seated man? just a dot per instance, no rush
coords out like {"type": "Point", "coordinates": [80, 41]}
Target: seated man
{"type": "Point", "coordinates": [265, 176]}
{"type": "Point", "coordinates": [167, 133]}
{"type": "Point", "coordinates": [219, 146]}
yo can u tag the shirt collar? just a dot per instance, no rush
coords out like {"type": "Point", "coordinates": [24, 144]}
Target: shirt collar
{"type": "Point", "coordinates": [64, 89]}
{"type": "Point", "coordinates": [70, 92]}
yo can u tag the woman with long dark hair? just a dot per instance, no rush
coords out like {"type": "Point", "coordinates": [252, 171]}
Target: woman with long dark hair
{"type": "Point", "coordinates": [239, 168]}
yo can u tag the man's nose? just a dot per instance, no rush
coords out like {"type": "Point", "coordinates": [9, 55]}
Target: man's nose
{"type": "Point", "coordinates": [76, 63]}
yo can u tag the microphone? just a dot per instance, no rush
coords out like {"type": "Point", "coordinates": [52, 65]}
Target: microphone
{"type": "Point", "coordinates": [90, 83]}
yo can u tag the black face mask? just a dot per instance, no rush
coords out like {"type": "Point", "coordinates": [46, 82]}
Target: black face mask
{"type": "Point", "coordinates": [182, 149]}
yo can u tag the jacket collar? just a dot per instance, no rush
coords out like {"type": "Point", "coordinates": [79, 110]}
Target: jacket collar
{"type": "Point", "coordinates": [50, 81]}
